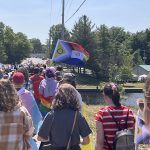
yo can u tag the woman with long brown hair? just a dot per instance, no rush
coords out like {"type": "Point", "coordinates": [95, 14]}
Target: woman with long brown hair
{"type": "Point", "coordinates": [65, 121]}
{"type": "Point", "coordinates": [15, 121]}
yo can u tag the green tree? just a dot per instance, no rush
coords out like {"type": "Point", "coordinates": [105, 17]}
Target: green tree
{"type": "Point", "coordinates": [3, 56]}
{"type": "Point", "coordinates": [22, 48]}
{"type": "Point", "coordinates": [83, 34]}
{"type": "Point", "coordinates": [56, 33]}
{"type": "Point", "coordinates": [37, 46]}
{"type": "Point", "coordinates": [126, 68]}
{"type": "Point", "coordinates": [104, 51]}
{"type": "Point", "coordinates": [9, 40]}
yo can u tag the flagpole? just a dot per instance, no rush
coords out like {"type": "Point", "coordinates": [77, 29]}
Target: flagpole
{"type": "Point", "coordinates": [63, 14]}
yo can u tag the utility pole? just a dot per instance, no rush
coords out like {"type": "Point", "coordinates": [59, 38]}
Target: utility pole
{"type": "Point", "coordinates": [63, 14]}
{"type": "Point", "coordinates": [49, 43]}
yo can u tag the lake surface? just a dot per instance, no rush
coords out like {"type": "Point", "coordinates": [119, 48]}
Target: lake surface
{"type": "Point", "coordinates": [97, 98]}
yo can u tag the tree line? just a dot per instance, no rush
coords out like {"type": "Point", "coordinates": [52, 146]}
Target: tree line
{"type": "Point", "coordinates": [113, 51]}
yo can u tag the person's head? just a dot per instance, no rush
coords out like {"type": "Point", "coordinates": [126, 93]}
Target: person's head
{"type": "Point", "coordinates": [112, 92]}
{"type": "Point", "coordinates": [49, 73]}
{"type": "Point", "coordinates": [36, 71]}
{"type": "Point", "coordinates": [44, 66]}
{"type": "Point", "coordinates": [58, 76]}
{"type": "Point", "coordinates": [59, 68]}
{"type": "Point", "coordinates": [69, 78]}
{"type": "Point", "coordinates": [18, 79]}
{"type": "Point", "coordinates": [8, 96]}
{"type": "Point", "coordinates": [25, 73]}
{"type": "Point", "coordinates": [66, 97]}
{"type": "Point", "coordinates": [53, 69]}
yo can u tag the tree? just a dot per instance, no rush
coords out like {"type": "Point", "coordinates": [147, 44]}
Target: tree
{"type": "Point", "coordinates": [56, 33]}
{"type": "Point", "coordinates": [37, 46]}
{"type": "Point", "coordinates": [3, 56]}
{"type": "Point", "coordinates": [9, 40]}
{"type": "Point", "coordinates": [104, 51]}
{"type": "Point", "coordinates": [22, 48]}
{"type": "Point", "coordinates": [83, 34]}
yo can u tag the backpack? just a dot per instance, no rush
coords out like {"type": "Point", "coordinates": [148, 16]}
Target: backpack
{"type": "Point", "coordinates": [124, 138]}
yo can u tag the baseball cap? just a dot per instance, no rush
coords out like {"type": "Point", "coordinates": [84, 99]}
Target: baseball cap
{"type": "Point", "coordinates": [49, 73]}
{"type": "Point", "coordinates": [18, 78]}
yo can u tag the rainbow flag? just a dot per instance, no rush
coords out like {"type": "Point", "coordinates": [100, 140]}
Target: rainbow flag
{"type": "Point", "coordinates": [70, 53]}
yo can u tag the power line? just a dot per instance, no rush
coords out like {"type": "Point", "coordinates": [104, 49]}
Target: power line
{"type": "Point", "coordinates": [69, 8]}
{"type": "Point", "coordinates": [59, 15]}
{"type": "Point", "coordinates": [75, 11]}
{"type": "Point", "coordinates": [66, 3]}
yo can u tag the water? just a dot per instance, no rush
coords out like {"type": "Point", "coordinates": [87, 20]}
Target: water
{"type": "Point", "coordinates": [97, 98]}
{"type": "Point", "coordinates": [130, 98]}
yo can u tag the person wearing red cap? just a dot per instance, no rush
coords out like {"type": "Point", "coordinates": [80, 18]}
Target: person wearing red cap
{"type": "Point", "coordinates": [29, 102]}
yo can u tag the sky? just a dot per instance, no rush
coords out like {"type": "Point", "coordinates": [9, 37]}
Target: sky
{"type": "Point", "coordinates": [35, 17]}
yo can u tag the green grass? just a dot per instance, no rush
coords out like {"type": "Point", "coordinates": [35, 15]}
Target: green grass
{"type": "Point", "coordinates": [133, 85]}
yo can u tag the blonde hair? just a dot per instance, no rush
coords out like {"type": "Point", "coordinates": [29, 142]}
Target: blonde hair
{"type": "Point", "coordinates": [8, 96]}
{"type": "Point", "coordinates": [66, 97]}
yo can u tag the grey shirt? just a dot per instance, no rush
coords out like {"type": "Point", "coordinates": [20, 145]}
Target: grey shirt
{"type": "Point", "coordinates": [57, 127]}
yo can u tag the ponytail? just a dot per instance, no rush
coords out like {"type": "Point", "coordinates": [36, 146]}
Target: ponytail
{"type": "Point", "coordinates": [112, 91]}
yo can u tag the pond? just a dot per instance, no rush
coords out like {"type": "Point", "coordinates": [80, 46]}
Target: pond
{"type": "Point", "coordinates": [95, 97]}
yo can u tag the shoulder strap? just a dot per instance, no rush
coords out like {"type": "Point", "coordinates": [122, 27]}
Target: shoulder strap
{"type": "Point", "coordinates": [126, 121]}
{"type": "Point", "coordinates": [118, 126]}
{"type": "Point", "coordinates": [74, 122]}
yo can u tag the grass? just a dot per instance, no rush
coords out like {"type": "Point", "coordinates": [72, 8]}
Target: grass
{"type": "Point", "coordinates": [133, 85]}
{"type": "Point", "coordinates": [89, 112]}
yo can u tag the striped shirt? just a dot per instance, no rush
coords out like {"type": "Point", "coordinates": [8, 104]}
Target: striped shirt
{"type": "Point", "coordinates": [109, 126]}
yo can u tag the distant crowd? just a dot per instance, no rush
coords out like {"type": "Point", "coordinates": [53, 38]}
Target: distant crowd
{"type": "Point", "coordinates": [40, 108]}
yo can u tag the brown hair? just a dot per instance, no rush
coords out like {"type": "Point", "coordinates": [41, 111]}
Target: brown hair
{"type": "Point", "coordinates": [66, 97]}
{"type": "Point", "coordinates": [8, 96]}
{"type": "Point", "coordinates": [112, 91]}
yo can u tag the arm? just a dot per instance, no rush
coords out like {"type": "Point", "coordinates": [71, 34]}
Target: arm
{"type": "Point", "coordinates": [85, 140]}
{"type": "Point", "coordinates": [41, 139]}
{"type": "Point", "coordinates": [43, 134]}
{"type": "Point", "coordinates": [99, 136]}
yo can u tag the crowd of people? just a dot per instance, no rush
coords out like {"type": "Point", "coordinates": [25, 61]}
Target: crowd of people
{"type": "Point", "coordinates": [41, 103]}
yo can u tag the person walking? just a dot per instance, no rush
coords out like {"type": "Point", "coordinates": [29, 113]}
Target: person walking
{"type": "Point", "coordinates": [35, 81]}
{"type": "Point", "coordinates": [47, 90]}
{"type": "Point", "coordinates": [29, 102]}
{"type": "Point", "coordinates": [106, 126]}
{"type": "Point", "coordinates": [16, 125]}
{"type": "Point", "coordinates": [65, 108]}
{"type": "Point", "coordinates": [70, 78]}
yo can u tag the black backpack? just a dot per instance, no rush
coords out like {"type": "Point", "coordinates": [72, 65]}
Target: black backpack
{"type": "Point", "coordinates": [124, 138]}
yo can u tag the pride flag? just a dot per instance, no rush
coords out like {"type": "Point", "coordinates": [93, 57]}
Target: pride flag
{"type": "Point", "coordinates": [70, 53]}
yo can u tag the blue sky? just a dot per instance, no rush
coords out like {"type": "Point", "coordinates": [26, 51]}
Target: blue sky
{"type": "Point", "coordinates": [34, 17]}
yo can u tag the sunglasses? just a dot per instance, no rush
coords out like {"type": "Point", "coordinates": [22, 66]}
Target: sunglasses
{"type": "Point", "coordinates": [140, 103]}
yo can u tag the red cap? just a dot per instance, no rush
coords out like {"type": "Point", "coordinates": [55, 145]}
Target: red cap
{"type": "Point", "coordinates": [18, 78]}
